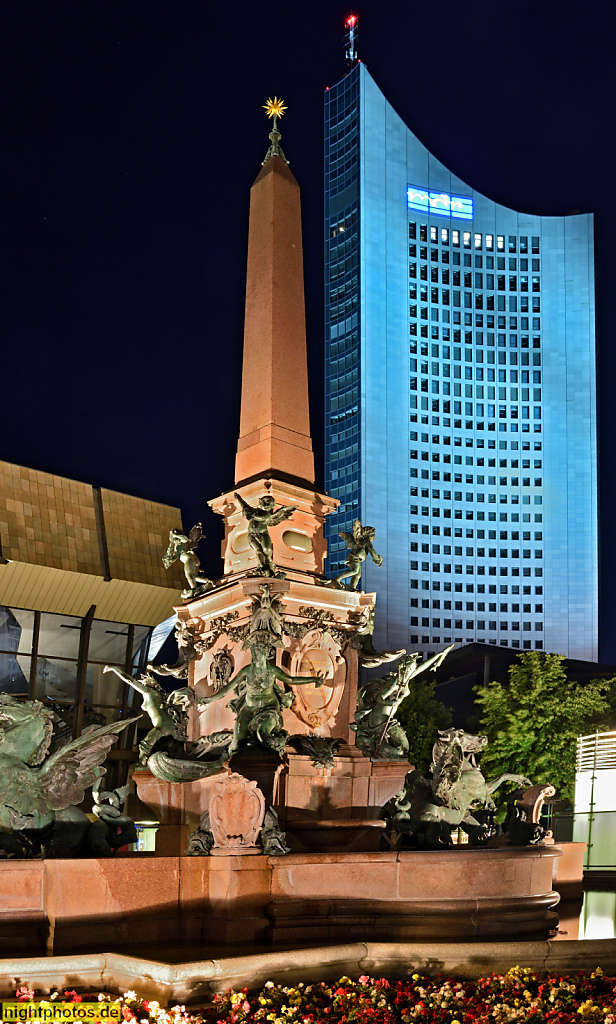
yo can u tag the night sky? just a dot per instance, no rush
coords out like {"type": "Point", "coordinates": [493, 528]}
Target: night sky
{"type": "Point", "coordinates": [131, 133]}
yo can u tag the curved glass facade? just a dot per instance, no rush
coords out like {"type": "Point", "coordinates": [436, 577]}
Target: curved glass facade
{"type": "Point", "coordinates": [460, 404]}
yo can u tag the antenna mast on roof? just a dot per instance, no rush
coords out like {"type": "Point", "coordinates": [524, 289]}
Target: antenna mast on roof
{"type": "Point", "coordinates": [350, 40]}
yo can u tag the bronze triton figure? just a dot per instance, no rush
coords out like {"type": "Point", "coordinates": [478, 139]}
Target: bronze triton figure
{"type": "Point", "coordinates": [260, 701]}
{"type": "Point", "coordinates": [428, 808]}
{"type": "Point", "coordinates": [379, 734]}
{"type": "Point", "coordinates": [168, 713]}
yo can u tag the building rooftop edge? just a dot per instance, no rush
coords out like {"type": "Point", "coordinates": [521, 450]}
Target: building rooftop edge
{"type": "Point", "coordinates": [361, 68]}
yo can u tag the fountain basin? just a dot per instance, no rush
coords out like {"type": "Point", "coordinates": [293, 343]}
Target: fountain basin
{"type": "Point", "coordinates": [464, 894]}
{"type": "Point", "coordinates": [468, 893]}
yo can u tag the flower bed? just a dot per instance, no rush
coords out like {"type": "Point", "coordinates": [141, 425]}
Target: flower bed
{"type": "Point", "coordinates": [519, 995]}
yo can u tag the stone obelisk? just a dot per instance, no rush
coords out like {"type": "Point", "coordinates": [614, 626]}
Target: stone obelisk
{"type": "Point", "coordinates": [275, 462]}
{"type": "Point", "coordinates": [275, 459]}
{"type": "Point", "coordinates": [274, 436]}
{"type": "Point", "coordinates": [274, 450]}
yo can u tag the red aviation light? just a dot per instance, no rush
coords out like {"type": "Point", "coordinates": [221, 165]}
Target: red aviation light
{"type": "Point", "coordinates": [350, 39]}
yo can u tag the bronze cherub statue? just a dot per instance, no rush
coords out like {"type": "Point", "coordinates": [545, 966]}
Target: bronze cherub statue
{"type": "Point", "coordinates": [359, 544]}
{"type": "Point", "coordinates": [183, 547]}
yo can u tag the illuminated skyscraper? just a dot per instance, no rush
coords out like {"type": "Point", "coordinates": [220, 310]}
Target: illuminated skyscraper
{"type": "Point", "coordinates": [460, 394]}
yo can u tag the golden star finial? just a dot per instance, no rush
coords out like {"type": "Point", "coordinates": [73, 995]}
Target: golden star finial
{"type": "Point", "coordinates": [274, 108]}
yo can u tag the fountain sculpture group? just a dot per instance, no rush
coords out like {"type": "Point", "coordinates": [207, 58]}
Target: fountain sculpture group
{"type": "Point", "coordinates": [38, 813]}
{"type": "Point", "coordinates": [283, 796]}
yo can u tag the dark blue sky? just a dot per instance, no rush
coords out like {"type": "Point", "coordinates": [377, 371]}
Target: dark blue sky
{"type": "Point", "coordinates": [131, 133]}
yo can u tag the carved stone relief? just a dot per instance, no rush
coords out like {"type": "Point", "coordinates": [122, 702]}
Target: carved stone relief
{"type": "Point", "coordinates": [237, 811]}
{"type": "Point", "coordinates": [221, 668]}
{"type": "Point", "coordinates": [318, 653]}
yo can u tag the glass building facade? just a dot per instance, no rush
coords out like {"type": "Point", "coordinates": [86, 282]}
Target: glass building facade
{"type": "Point", "coordinates": [460, 394]}
{"type": "Point", "coordinates": [59, 660]}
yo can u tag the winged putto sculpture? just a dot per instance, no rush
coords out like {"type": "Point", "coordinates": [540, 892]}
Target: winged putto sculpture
{"type": "Point", "coordinates": [260, 518]}
{"type": "Point", "coordinates": [359, 545]}
{"type": "Point", "coordinates": [182, 547]}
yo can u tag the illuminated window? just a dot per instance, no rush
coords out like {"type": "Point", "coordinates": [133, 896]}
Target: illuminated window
{"type": "Point", "coordinates": [489, 241]}
{"type": "Point", "coordinates": [455, 238]}
{"type": "Point", "coordinates": [441, 203]}
{"type": "Point", "coordinates": [467, 239]}
{"type": "Point", "coordinates": [500, 243]}
{"type": "Point", "coordinates": [478, 241]}
{"type": "Point", "coordinates": [434, 234]}
{"type": "Point", "coordinates": [445, 236]}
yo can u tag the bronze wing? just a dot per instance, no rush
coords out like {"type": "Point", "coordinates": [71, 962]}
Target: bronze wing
{"type": "Point", "coordinates": [195, 535]}
{"type": "Point", "coordinates": [66, 775]}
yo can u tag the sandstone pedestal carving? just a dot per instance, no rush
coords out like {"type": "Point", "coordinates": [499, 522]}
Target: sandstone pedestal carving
{"type": "Point", "coordinates": [237, 810]}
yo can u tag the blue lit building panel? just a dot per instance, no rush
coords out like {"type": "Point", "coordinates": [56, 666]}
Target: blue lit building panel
{"type": "Point", "coordinates": [460, 207]}
{"type": "Point", "coordinates": [460, 394]}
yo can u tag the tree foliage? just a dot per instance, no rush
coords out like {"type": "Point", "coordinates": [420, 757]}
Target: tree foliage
{"type": "Point", "coordinates": [532, 722]}
{"type": "Point", "coordinates": [421, 715]}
